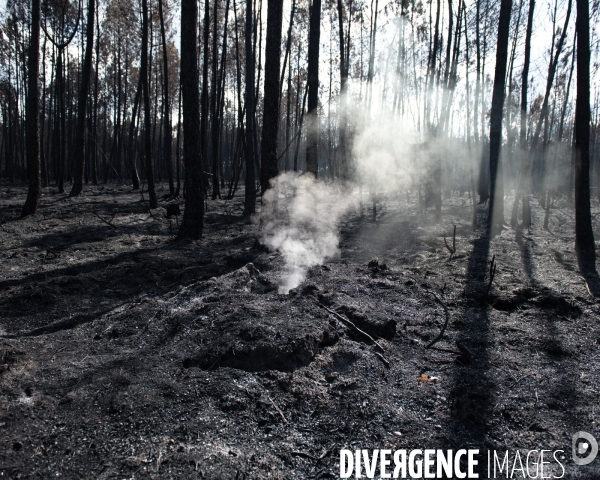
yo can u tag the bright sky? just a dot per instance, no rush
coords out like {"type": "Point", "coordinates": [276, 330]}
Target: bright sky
{"type": "Point", "coordinates": [540, 42]}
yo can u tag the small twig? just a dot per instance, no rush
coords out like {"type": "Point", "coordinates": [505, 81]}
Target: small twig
{"type": "Point", "coordinates": [492, 274]}
{"type": "Point", "coordinates": [441, 334]}
{"type": "Point", "coordinates": [327, 452]}
{"type": "Point", "coordinates": [447, 350]}
{"type": "Point", "coordinates": [305, 455]}
{"type": "Point", "coordinates": [518, 380]}
{"type": "Point", "coordinates": [382, 358]}
{"type": "Point", "coordinates": [108, 222]}
{"type": "Point", "coordinates": [453, 249]}
{"type": "Point", "coordinates": [277, 408]}
{"type": "Point", "coordinates": [351, 325]}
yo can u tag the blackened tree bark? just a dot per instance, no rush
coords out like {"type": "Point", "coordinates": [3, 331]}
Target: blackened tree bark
{"type": "Point", "coordinates": [166, 104]}
{"type": "Point", "coordinates": [312, 116]}
{"type": "Point", "coordinates": [268, 167]}
{"type": "Point", "coordinates": [288, 46]}
{"type": "Point", "coordinates": [523, 130]}
{"type": "Point", "coordinates": [344, 167]}
{"type": "Point", "coordinates": [94, 165]}
{"type": "Point", "coordinates": [147, 120]}
{"type": "Point", "coordinates": [86, 74]}
{"type": "Point", "coordinates": [584, 235]}
{"type": "Point", "coordinates": [496, 208]}
{"type": "Point", "coordinates": [131, 156]}
{"type": "Point", "coordinates": [214, 96]}
{"type": "Point", "coordinates": [250, 194]}
{"type": "Point", "coordinates": [33, 115]}
{"type": "Point", "coordinates": [193, 215]}
{"type": "Point", "coordinates": [204, 97]}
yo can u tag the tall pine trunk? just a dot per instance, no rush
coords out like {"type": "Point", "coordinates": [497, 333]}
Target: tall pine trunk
{"type": "Point", "coordinates": [147, 122]}
{"type": "Point", "coordinates": [496, 208]}
{"type": "Point", "coordinates": [312, 116]}
{"type": "Point", "coordinates": [193, 215]}
{"type": "Point", "coordinates": [523, 127]}
{"type": "Point", "coordinates": [270, 129]}
{"type": "Point", "coordinates": [33, 115]}
{"type": "Point", "coordinates": [584, 235]}
{"type": "Point", "coordinates": [250, 194]}
{"type": "Point", "coordinates": [86, 74]}
{"type": "Point", "coordinates": [167, 139]}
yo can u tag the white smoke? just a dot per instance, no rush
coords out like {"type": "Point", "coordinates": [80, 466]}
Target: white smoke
{"type": "Point", "coordinates": [300, 215]}
{"type": "Point", "coordinates": [299, 219]}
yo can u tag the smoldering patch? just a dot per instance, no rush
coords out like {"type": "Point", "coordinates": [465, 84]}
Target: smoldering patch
{"type": "Point", "coordinates": [299, 219]}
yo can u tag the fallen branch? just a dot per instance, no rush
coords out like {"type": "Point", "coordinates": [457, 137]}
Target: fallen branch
{"type": "Point", "coordinates": [382, 358]}
{"type": "Point", "coordinates": [305, 455]}
{"type": "Point", "coordinates": [351, 325]}
{"type": "Point", "coordinates": [327, 452]}
{"type": "Point", "coordinates": [108, 222]}
{"type": "Point", "coordinates": [453, 249]}
{"type": "Point", "coordinates": [441, 334]}
{"type": "Point", "coordinates": [447, 350]}
{"type": "Point", "coordinates": [492, 274]}
{"type": "Point", "coordinates": [277, 408]}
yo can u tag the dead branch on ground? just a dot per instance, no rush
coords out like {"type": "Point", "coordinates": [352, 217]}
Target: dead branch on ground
{"type": "Point", "coordinates": [453, 249]}
{"type": "Point", "coordinates": [441, 334]}
{"type": "Point", "coordinates": [108, 222]}
{"type": "Point", "coordinates": [492, 274]}
{"type": "Point", "coordinates": [351, 325]}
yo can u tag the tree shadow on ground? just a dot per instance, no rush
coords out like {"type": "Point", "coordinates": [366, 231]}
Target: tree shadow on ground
{"type": "Point", "coordinates": [472, 394]}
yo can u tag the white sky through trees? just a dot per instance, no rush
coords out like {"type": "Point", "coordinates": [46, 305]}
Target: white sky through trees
{"type": "Point", "coordinates": [387, 43]}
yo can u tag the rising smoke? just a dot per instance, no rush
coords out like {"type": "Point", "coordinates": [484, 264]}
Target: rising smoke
{"type": "Point", "coordinates": [300, 215]}
{"type": "Point", "coordinates": [299, 219]}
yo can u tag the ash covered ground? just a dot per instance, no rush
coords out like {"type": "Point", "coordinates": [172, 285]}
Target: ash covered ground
{"type": "Point", "coordinates": [127, 354]}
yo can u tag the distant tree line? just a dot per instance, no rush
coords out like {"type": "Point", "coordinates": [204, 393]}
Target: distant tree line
{"type": "Point", "coordinates": [253, 96]}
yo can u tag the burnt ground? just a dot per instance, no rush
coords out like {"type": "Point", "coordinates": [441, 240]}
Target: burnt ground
{"type": "Point", "coordinates": [127, 354]}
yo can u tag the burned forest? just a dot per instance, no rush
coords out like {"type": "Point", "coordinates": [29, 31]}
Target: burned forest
{"type": "Point", "coordinates": [247, 239]}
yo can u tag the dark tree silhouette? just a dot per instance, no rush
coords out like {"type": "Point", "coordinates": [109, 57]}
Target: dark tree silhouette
{"type": "Point", "coordinates": [523, 127]}
{"type": "Point", "coordinates": [312, 133]}
{"type": "Point", "coordinates": [86, 74]}
{"type": "Point", "coordinates": [193, 215]}
{"type": "Point", "coordinates": [166, 103]}
{"type": "Point", "coordinates": [496, 208]}
{"type": "Point", "coordinates": [250, 194]}
{"type": "Point", "coordinates": [344, 67]}
{"type": "Point", "coordinates": [147, 114]}
{"type": "Point", "coordinates": [584, 235]}
{"type": "Point", "coordinates": [268, 168]}
{"type": "Point", "coordinates": [33, 115]}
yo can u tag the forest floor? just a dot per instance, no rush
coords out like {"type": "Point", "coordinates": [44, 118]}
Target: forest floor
{"type": "Point", "coordinates": [127, 354]}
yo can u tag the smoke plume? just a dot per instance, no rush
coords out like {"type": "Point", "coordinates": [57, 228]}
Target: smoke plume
{"type": "Point", "coordinates": [299, 219]}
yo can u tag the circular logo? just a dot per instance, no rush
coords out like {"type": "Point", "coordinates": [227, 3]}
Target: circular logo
{"type": "Point", "coordinates": [585, 448]}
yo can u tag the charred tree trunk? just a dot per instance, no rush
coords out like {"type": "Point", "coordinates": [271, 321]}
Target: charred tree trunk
{"type": "Point", "coordinates": [193, 215]}
{"type": "Point", "coordinates": [250, 194]}
{"type": "Point", "coordinates": [496, 208]}
{"type": "Point", "coordinates": [214, 97]}
{"type": "Point", "coordinates": [344, 167]}
{"type": "Point", "coordinates": [167, 139]}
{"type": "Point", "coordinates": [79, 150]}
{"type": "Point", "coordinates": [270, 129]}
{"type": "Point", "coordinates": [584, 235]}
{"type": "Point", "coordinates": [33, 115]}
{"type": "Point", "coordinates": [312, 131]}
{"type": "Point", "coordinates": [204, 97]}
{"type": "Point", "coordinates": [147, 121]}
{"type": "Point", "coordinates": [523, 127]}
